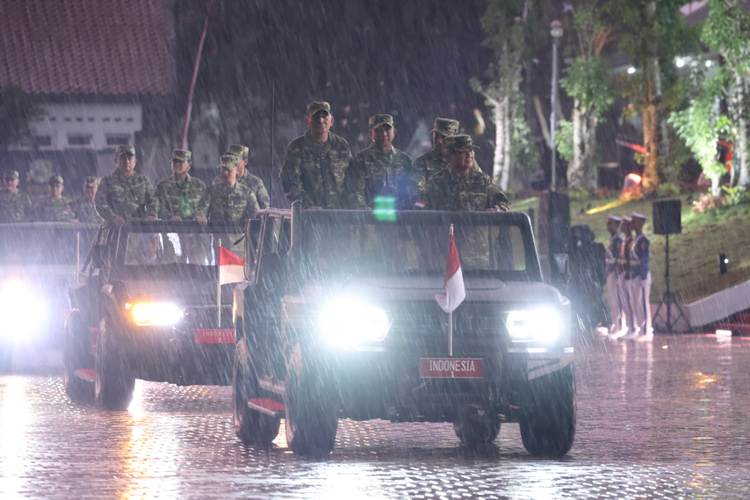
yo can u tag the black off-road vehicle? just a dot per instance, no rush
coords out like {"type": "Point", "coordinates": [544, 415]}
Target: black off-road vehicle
{"type": "Point", "coordinates": [338, 319]}
{"type": "Point", "coordinates": [148, 305]}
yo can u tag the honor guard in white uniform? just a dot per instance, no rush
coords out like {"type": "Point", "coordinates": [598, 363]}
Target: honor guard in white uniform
{"type": "Point", "coordinates": [614, 250]}
{"type": "Point", "coordinates": [640, 281]}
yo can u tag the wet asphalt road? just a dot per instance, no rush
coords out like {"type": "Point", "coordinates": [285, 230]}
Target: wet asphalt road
{"type": "Point", "coordinates": [662, 419]}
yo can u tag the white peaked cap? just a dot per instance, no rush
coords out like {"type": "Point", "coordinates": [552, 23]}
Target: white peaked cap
{"type": "Point", "coordinates": [636, 215]}
{"type": "Point", "coordinates": [614, 218]}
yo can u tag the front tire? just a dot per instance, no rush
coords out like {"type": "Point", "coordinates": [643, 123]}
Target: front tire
{"type": "Point", "coordinates": [77, 354]}
{"type": "Point", "coordinates": [548, 425]}
{"type": "Point", "coordinates": [115, 381]}
{"type": "Point", "coordinates": [311, 420]}
{"type": "Point", "coordinates": [252, 427]}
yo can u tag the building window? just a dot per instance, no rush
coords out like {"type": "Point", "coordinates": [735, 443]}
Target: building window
{"type": "Point", "coordinates": [105, 119]}
{"type": "Point", "coordinates": [118, 139]}
{"type": "Point", "coordinates": [42, 141]}
{"type": "Point", "coordinates": [79, 140]}
{"type": "Point", "coordinates": [91, 119]}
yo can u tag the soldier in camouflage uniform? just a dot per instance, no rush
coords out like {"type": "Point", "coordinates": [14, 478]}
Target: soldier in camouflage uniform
{"type": "Point", "coordinates": [380, 169]}
{"type": "Point", "coordinates": [228, 200]}
{"type": "Point", "coordinates": [460, 186]}
{"type": "Point", "coordinates": [15, 205]}
{"type": "Point", "coordinates": [438, 157]}
{"type": "Point", "coordinates": [179, 193]}
{"type": "Point", "coordinates": [54, 207]}
{"type": "Point", "coordinates": [315, 163]}
{"type": "Point", "coordinates": [126, 194]}
{"type": "Point", "coordinates": [252, 182]}
{"type": "Point", "coordinates": [85, 208]}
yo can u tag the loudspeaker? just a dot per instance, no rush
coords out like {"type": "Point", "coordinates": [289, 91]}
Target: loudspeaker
{"type": "Point", "coordinates": [667, 218]}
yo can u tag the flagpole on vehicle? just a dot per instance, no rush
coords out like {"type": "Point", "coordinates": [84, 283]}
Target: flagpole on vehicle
{"type": "Point", "coordinates": [454, 291]}
{"type": "Point", "coordinates": [450, 314]}
{"type": "Point", "coordinates": [218, 285]}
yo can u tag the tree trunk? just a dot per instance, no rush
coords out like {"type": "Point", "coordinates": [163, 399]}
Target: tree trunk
{"type": "Point", "coordinates": [507, 160]}
{"type": "Point", "coordinates": [741, 149]}
{"type": "Point", "coordinates": [497, 166]}
{"type": "Point", "coordinates": [590, 178]}
{"type": "Point", "coordinates": [575, 167]}
{"type": "Point", "coordinates": [650, 170]}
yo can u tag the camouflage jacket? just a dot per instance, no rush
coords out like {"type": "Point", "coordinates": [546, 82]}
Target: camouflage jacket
{"type": "Point", "coordinates": [472, 192]}
{"type": "Point", "coordinates": [431, 163]}
{"type": "Point", "coordinates": [256, 186]}
{"type": "Point", "coordinates": [372, 172]}
{"type": "Point", "coordinates": [55, 210]}
{"type": "Point", "coordinates": [86, 212]}
{"type": "Point", "coordinates": [14, 207]}
{"type": "Point", "coordinates": [222, 203]}
{"type": "Point", "coordinates": [314, 172]}
{"type": "Point", "coordinates": [179, 198]}
{"type": "Point", "coordinates": [130, 197]}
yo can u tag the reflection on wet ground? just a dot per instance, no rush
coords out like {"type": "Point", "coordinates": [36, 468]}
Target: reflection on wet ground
{"type": "Point", "coordinates": [662, 419]}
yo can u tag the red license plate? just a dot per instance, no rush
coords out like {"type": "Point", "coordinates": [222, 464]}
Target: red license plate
{"type": "Point", "coordinates": [214, 336]}
{"type": "Point", "coordinates": [451, 368]}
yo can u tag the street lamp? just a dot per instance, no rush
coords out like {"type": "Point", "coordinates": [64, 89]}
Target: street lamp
{"type": "Point", "coordinates": [557, 32]}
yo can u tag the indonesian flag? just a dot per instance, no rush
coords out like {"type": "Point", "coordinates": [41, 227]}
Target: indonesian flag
{"type": "Point", "coordinates": [455, 293]}
{"type": "Point", "coordinates": [231, 267]}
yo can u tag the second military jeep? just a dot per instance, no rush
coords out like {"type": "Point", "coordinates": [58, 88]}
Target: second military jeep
{"type": "Point", "coordinates": [338, 319]}
{"type": "Point", "coordinates": [148, 304]}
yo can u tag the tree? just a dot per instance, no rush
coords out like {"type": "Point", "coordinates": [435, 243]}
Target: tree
{"type": "Point", "coordinates": [726, 32]}
{"type": "Point", "coordinates": [17, 108]}
{"type": "Point", "coordinates": [654, 32]}
{"type": "Point", "coordinates": [588, 81]}
{"type": "Point", "coordinates": [509, 25]}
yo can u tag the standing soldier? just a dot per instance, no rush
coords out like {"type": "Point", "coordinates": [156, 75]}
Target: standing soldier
{"type": "Point", "coordinates": [461, 186]}
{"type": "Point", "coordinates": [179, 193]}
{"type": "Point", "coordinates": [252, 182]}
{"type": "Point", "coordinates": [54, 207]}
{"type": "Point", "coordinates": [438, 158]}
{"type": "Point", "coordinates": [86, 209]}
{"type": "Point", "coordinates": [15, 205]}
{"type": "Point", "coordinates": [228, 200]}
{"type": "Point", "coordinates": [315, 163]}
{"type": "Point", "coordinates": [126, 194]}
{"type": "Point", "coordinates": [640, 280]}
{"type": "Point", "coordinates": [380, 169]}
{"type": "Point", "coordinates": [614, 249]}
{"type": "Point", "coordinates": [623, 278]}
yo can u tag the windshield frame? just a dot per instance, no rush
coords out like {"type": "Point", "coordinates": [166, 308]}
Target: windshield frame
{"type": "Point", "coordinates": [437, 218]}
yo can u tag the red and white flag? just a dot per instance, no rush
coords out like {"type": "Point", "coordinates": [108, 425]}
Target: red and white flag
{"type": "Point", "coordinates": [231, 267]}
{"type": "Point", "coordinates": [455, 293]}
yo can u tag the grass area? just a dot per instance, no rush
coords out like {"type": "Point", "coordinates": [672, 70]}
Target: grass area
{"type": "Point", "coordinates": [694, 262]}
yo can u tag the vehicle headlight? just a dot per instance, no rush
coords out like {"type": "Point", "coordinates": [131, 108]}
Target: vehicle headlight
{"type": "Point", "coordinates": [534, 325]}
{"type": "Point", "coordinates": [154, 313]}
{"type": "Point", "coordinates": [22, 311]}
{"type": "Point", "coordinates": [349, 322]}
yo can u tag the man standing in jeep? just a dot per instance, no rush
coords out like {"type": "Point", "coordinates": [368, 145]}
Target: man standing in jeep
{"type": "Point", "coordinates": [460, 186]}
{"type": "Point", "coordinates": [315, 163]}
{"type": "Point", "coordinates": [126, 194]}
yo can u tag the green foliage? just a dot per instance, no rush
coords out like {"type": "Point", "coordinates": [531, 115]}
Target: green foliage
{"type": "Point", "coordinates": [579, 194]}
{"type": "Point", "coordinates": [726, 32]}
{"type": "Point", "coordinates": [735, 195]}
{"type": "Point", "coordinates": [667, 189]}
{"type": "Point", "coordinates": [564, 140]}
{"type": "Point", "coordinates": [522, 148]}
{"type": "Point", "coordinates": [589, 81]}
{"type": "Point", "coordinates": [17, 108]}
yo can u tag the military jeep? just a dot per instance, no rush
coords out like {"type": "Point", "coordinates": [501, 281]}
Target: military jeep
{"type": "Point", "coordinates": [338, 319]}
{"type": "Point", "coordinates": [148, 305]}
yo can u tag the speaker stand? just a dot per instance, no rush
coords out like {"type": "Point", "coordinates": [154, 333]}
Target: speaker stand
{"type": "Point", "coordinates": [669, 298]}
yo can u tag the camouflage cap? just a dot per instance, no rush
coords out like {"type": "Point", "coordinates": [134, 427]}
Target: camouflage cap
{"type": "Point", "coordinates": [56, 179]}
{"type": "Point", "coordinates": [125, 149]}
{"type": "Point", "coordinates": [10, 175]}
{"type": "Point", "coordinates": [229, 161]}
{"type": "Point", "coordinates": [461, 142]}
{"type": "Point", "coordinates": [316, 106]}
{"type": "Point", "coordinates": [378, 120]}
{"type": "Point", "coordinates": [445, 126]}
{"type": "Point", "coordinates": [183, 155]}
{"type": "Point", "coordinates": [238, 150]}
{"type": "Point", "coordinates": [91, 181]}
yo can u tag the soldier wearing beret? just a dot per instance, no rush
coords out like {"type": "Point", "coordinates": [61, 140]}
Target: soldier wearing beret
{"type": "Point", "coordinates": [126, 194]}
{"type": "Point", "coordinates": [228, 200]}
{"type": "Point", "coordinates": [381, 169]}
{"type": "Point", "coordinates": [85, 208]}
{"type": "Point", "coordinates": [55, 207]}
{"type": "Point", "coordinates": [252, 182]}
{"type": "Point", "coordinates": [179, 193]}
{"type": "Point", "coordinates": [460, 186]}
{"type": "Point", "coordinates": [315, 163]}
{"type": "Point", "coordinates": [15, 205]}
